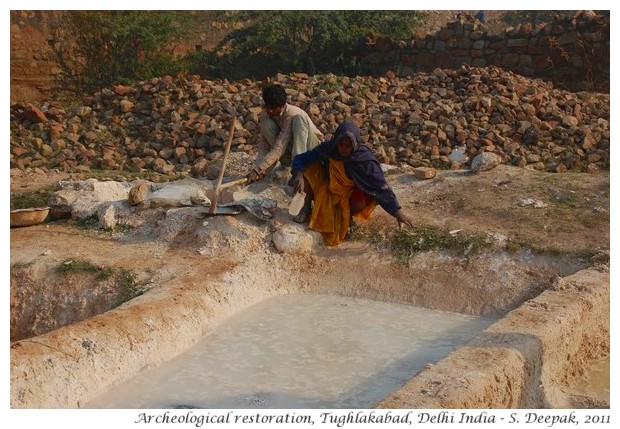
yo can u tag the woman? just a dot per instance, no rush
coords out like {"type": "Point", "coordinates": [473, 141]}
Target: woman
{"type": "Point", "coordinates": [344, 179]}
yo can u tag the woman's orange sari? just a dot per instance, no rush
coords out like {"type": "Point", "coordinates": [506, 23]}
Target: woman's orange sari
{"type": "Point", "coordinates": [331, 211]}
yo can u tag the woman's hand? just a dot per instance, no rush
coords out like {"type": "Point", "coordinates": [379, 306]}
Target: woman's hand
{"type": "Point", "coordinates": [298, 183]}
{"type": "Point", "coordinates": [403, 218]}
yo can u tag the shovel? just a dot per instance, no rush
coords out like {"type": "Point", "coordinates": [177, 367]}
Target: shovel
{"type": "Point", "coordinates": [213, 207]}
{"type": "Point", "coordinates": [262, 208]}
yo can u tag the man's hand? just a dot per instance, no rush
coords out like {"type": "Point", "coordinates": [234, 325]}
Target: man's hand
{"type": "Point", "coordinates": [298, 183]}
{"type": "Point", "coordinates": [252, 177]}
{"type": "Point", "coordinates": [403, 218]}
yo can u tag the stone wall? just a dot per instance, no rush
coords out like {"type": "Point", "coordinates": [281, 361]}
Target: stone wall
{"type": "Point", "coordinates": [572, 53]}
{"type": "Point", "coordinates": [32, 63]}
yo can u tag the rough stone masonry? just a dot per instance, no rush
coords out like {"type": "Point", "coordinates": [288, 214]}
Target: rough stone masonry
{"type": "Point", "coordinates": [178, 125]}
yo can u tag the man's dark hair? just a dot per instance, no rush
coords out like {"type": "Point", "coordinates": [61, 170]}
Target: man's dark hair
{"type": "Point", "coordinates": [274, 95]}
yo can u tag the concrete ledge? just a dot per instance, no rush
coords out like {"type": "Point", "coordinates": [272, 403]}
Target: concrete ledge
{"type": "Point", "coordinates": [523, 360]}
{"type": "Point", "coordinates": [518, 362]}
{"type": "Point", "coordinates": [69, 366]}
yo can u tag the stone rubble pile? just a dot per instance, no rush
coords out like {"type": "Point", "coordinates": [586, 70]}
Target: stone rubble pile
{"type": "Point", "coordinates": [179, 125]}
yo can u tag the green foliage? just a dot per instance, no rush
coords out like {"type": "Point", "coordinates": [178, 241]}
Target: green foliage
{"type": "Point", "coordinates": [403, 243]}
{"type": "Point", "coordinates": [126, 287]}
{"type": "Point", "coordinates": [78, 266]}
{"type": "Point", "coordinates": [308, 41]}
{"type": "Point", "coordinates": [96, 49]}
{"type": "Point", "coordinates": [25, 200]}
{"type": "Point", "coordinates": [104, 273]}
{"type": "Point", "coordinates": [88, 222]}
{"type": "Point", "coordinates": [92, 223]}
{"type": "Point", "coordinates": [124, 282]}
{"type": "Point", "coordinates": [369, 232]}
{"type": "Point", "coordinates": [18, 266]}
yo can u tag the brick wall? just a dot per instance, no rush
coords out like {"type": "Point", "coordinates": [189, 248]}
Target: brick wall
{"type": "Point", "coordinates": [32, 64]}
{"type": "Point", "coordinates": [572, 53]}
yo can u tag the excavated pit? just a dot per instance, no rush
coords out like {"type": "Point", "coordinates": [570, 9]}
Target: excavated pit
{"type": "Point", "coordinates": [46, 299]}
{"type": "Point", "coordinates": [551, 324]}
{"type": "Point", "coordinates": [72, 342]}
{"type": "Point", "coordinates": [300, 351]}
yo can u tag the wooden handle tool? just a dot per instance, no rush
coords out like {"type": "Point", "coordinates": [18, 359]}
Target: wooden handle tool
{"type": "Point", "coordinates": [219, 179]}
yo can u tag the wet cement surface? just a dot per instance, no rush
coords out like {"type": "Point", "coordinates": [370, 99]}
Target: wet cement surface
{"type": "Point", "coordinates": [300, 351]}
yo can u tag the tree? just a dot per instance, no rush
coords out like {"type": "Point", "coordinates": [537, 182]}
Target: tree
{"type": "Point", "coordinates": [308, 41]}
{"type": "Point", "coordinates": [96, 49]}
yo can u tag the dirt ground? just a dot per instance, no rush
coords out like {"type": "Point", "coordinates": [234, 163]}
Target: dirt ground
{"type": "Point", "coordinates": [575, 216]}
{"type": "Point", "coordinates": [200, 271]}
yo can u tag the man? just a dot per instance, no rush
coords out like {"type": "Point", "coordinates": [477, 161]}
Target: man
{"type": "Point", "coordinates": [286, 131]}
